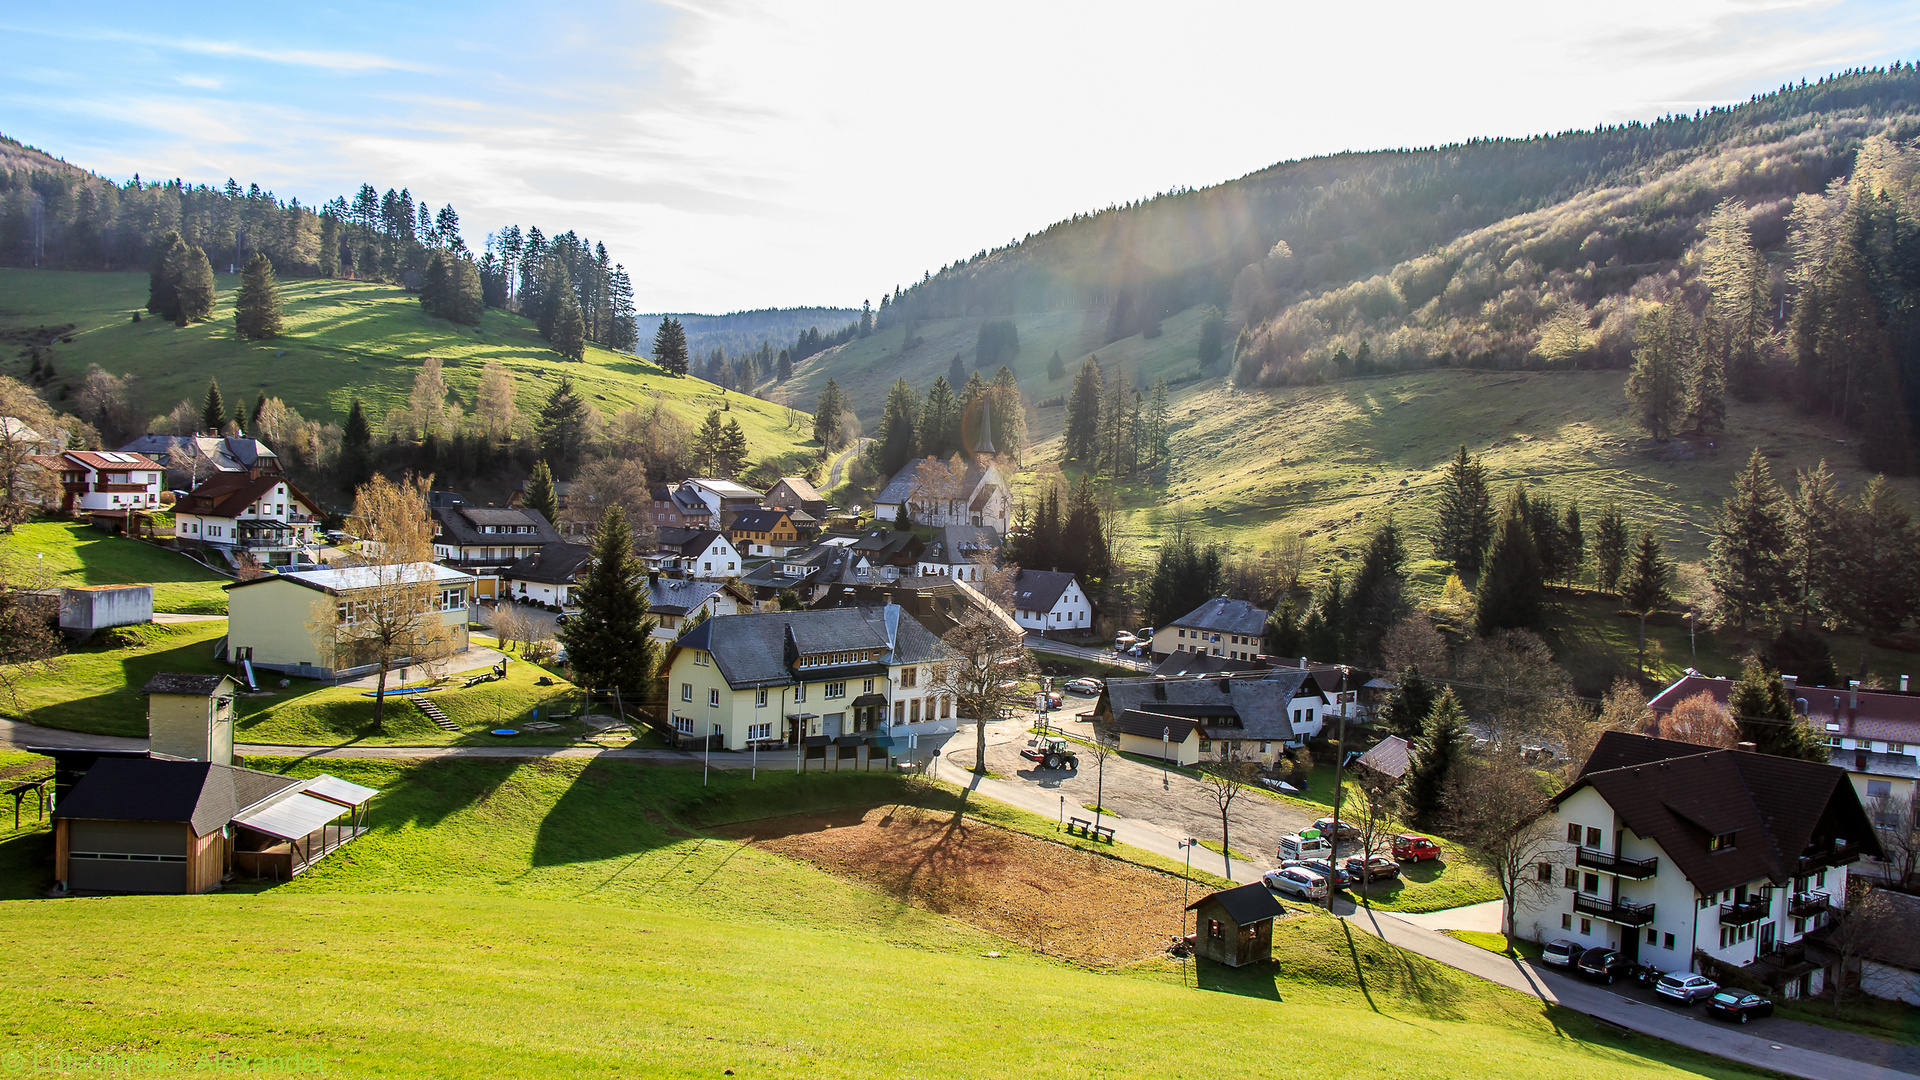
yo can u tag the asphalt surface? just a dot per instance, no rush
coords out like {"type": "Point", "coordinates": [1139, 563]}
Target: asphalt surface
{"type": "Point", "coordinates": [1042, 644]}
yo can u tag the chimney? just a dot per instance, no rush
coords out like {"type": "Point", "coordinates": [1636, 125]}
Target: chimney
{"type": "Point", "coordinates": [1303, 663]}
{"type": "Point", "coordinates": [653, 577]}
{"type": "Point", "coordinates": [1790, 680]}
{"type": "Point", "coordinates": [1903, 684]}
{"type": "Point", "coordinates": [1853, 693]}
{"type": "Point", "coordinates": [1747, 746]}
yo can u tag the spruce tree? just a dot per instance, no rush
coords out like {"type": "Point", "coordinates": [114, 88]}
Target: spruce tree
{"type": "Point", "coordinates": [731, 454]}
{"type": "Point", "coordinates": [256, 311]}
{"type": "Point", "coordinates": [1574, 543]}
{"type": "Point", "coordinates": [1764, 716]}
{"type": "Point", "coordinates": [1213, 331]}
{"type": "Point", "coordinates": [893, 445]}
{"type": "Point", "coordinates": [1647, 588]}
{"type": "Point", "coordinates": [570, 330]}
{"type": "Point", "coordinates": [783, 370]}
{"type": "Point", "coordinates": [956, 372]}
{"type": "Point", "coordinates": [1816, 540]}
{"type": "Point", "coordinates": [213, 409]}
{"type": "Point", "coordinates": [194, 288]}
{"type": "Point", "coordinates": [1056, 367]}
{"type": "Point", "coordinates": [1610, 548]}
{"type": "Point", "coordinates": [1656, 386]}
{"type": "Point", "coordinates": [609, 642]}
{"type": "Point", "coordinates": [1706, 394]}
{"type": "Point", "coordinates": [1466, 515]}
{"type": "Point", "coordinates": [1435, 755]}
{"type": "Point", "coordinates": [540, 495]}
{"type": "Point", "coordinates": [1408, 706]}
{"type": "Point", "coordinates": [938, 430]}
{"type": "Point", "coordinates": [562, 427]}
{"type": "Point", "coordinates": [1378, 599]}
{"type": "Point", "coordinates": [1082, 441]}
{"type": "Point", "coordinates": [466, 297]}
{"type": "Point", "coordinates": [163, 290]}
{"type": "Point", "coordinates": [1083, 537]}
{"type": "Point", "coordinates": [670, 346]}
{"type": "Point", "coordinates": [434, 286]}
{"type": "Point", "coordinates": [826, 416]}
{"type": "Point", "coordinates": [1746, 557]}
{"type": "Point", "coordinates": [1512, 586]}
{"type": "Point", "coordinates": [707, 444]}
{"type": "Point", "coordinates": [356, 447]}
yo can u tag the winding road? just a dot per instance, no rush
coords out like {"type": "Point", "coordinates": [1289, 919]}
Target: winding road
{"type": "Point", "coordinates": [833, 475]}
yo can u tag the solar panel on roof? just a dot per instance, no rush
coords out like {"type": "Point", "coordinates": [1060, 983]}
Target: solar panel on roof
{"type": "Point", "coordinates": [292, 817]}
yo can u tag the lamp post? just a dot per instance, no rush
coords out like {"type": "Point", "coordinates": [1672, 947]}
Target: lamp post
{"type": "Point", "coordinates": [707, 762]}
{"type": "Point", "coordinates": [1339, 759]}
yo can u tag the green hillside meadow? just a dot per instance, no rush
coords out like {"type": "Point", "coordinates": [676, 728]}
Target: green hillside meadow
{"type": "Point", "coordinates": [342, 338]}
{"type": "Point", "coordinates": [566, 918]}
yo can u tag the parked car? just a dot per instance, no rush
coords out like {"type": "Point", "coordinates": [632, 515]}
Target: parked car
{"type": "Point", "coordinates": [561, 619]}
{"type": "Point", "coordinates": [1324, 868]}
{"type": "Point", "coordinates": [1139, 649]}
{"type": "Point", "coordinates": [1372, 868]}
{"type": "Point", "coordinates": [1296, 881]}
{"type": "Point", "coordinates": [1409, 847]}
{"type": "Point", "coordinates": [1306, 844]}
{"type": "Point", "coordinates": [1347, 833]}
{"type": "Point", "coordinates": [1561, 952]}
{"type": "Point", "coordinates": [1145, 635]}
{"type": "Point", "coordinates": [1602, 964]}
{"type": "Point", "coordinates": [1123, 639]}
{"type": "Point", "coordinates": [1085, 686]}
{"type": "Point", "coordinates": [1053, 700]}
{"type": "Point", "coordinates": [1684, 988]}
{"type": "Point", "coordinates": [1738, 1006]}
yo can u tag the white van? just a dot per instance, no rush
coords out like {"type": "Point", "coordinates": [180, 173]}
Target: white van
{"type": "Point", "coordinates": [1306, 844]}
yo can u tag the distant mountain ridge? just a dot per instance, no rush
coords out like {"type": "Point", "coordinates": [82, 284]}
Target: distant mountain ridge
{"type": "Point", "coordinates": [740, 332]}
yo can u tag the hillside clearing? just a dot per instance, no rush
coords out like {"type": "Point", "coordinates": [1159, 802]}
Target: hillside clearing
{"type": "Point", "coordinates": [68, 553]}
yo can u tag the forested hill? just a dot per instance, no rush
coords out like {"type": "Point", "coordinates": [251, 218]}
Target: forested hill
{"type": "Point", "coordinates": [17, 156]}
{"type": "Point", "coordinates": [741, 332]}
{"type": "Point", "coordinates": [1323, 254]}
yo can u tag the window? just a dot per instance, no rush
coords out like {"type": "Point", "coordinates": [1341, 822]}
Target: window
{"type": "Point", "coordinates": [1566, 921]}
{"type": "Point", "coordinates": [868, 688]}
{"type": "Point", "coordinates": [1586, 926]}
{"type": "Point", "coordinates": [913, 714]}
{"type": "Point", "coordinates": [1669, 942]}
{"type": "Point", "coordinates": [1593, 838]}
{"type": "Point", "coordinates": [1206, 746]}
{"type": "Point", "coordinates": [899, 712]}
{"type": "Point", "coordinates": [1572, 878]}
{"type": "Point", "coordinates": [946, 703]}
{"type": "Point", "coordinates": [686, 691]}
{"type": "Point", "coordinates": [760, 698]}
{"type": "Point", "coordinates": [799, 693]}
{"type": "Point", "coordinates": [1546, 871]}
{"type": "Point", "coordinates": [757, 732]}
{"type": "Point", "coordinates": [835, 690]}
{"type": "Point", "coordinates": [909, 677]}
{"type": "Point", "coordinates": [1573, 833]}
{"type": "Point", "coordinates": [1590, 885]}
{"type": "Point", "coordinates": [1879, 789]}
{"type": "Point", "coordinates": [713, 696]}
{"type": "Point", "coordinates": [1722, 842]}
{"type": "Point", "coordinates": [683, 724]}
{"type": "Point", "coordinates": [1653, 936]}
{"type": "Point", "coordinates": [1216, 930]}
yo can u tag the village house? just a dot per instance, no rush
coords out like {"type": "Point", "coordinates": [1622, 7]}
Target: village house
{"type": "Point", "coordinates": [846, 683]}
{"type": "Point", "coordinates": [1873, 734]}
{"type": "Point", "coordinates": [191, 459]}
{"type": "Point", "coordinates": [1230, 628]}
{"type": "Point", "coordinates": [272, 621]}
{"type": "Point", "coordinates": [812, 575]}
{"type": "Point", "coordinates": [548, 576]}
{"type": "Point", "coordinates": [483, 541]}
{"type": "Point", "coordinates": [1886, 959]}
{"type": "Point", "coordinates": [724, 498]}
{"type": "Point", "coordinates": [261, 515]}
{"type": "Point", "coordinates": [798, 497]}
{"type": "Point", "coordinates": [677, 603]}
{"type": "Point", "coordinates": [698, 553]}
{"type": "Point", "coordinates": [941, 493]}
{"type": "Point", "coordinates": [761, 532]}
{"type": "Point", "coordinates": [104, 482]}
{"type": "Point", "coordinates": [1235, 926]}
{"type": "Point", "coordinates": [1049, 600]}
{"type": "Point", "coordinates": [1246, 718]}
{"type": "Point", "coordinates": [680, 507]}
{"type": "Point", "coordinates": [21, 438]}
{"type": "Point", "coordinates": [967, 552]}
{"type": "Point", "coordinates": [891, 553]}
{"type": "Point", "coordinates": [1668, 852]}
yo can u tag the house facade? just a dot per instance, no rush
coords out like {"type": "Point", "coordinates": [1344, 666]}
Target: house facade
{"type": "Point", "coordinates": [1248, 718]}
{"type": "Point", "coordinates": [844, 678]}
{"type": "Point", "coordinates": [763, 533]}
{"type": "Point", "coordinates": [268, 618]}
{"type": "Point", "coordinates": [679, 506]}
{"type": "Point", "coordinates": [695, 553]}
{"type": "Point", "coordinates": [548, 576]}
{"type": "Point", "coordinates": [483, 541]}
{"type": "Point", "coordinates": [724, 498]}
{"type": "Point", "coordinates": [262, 515]}
{"type": "Point", "coordinates": [965, 552]}
{"type": "Point", "coordinates": [941, 493]}
{"type": "Point", "coordinates": [97, 481]}
{"type": "Point", "coordinates": [1220, 627]}
{"type": "Point", "coordinates": [191, 459]}
{"type": "Point", "coordinates": [677, 603]}
{"type": "Point", "coordinates": [1669, 852]}
{"type": "Point", "coordinates": [795, 495]}
{"type": "Point", "coordinates": [1048, 600]}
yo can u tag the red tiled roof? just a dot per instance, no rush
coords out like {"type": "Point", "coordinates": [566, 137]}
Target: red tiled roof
{"type": "Point", "coordinates": [1882, 714]}
{"type": "Point", "coordinates": [114, 460]}
{"type": "Point", "coordinates": [232, 493]}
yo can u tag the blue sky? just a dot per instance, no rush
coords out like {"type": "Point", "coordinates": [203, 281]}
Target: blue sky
{"type": "Point", "coordinates": [747, 154]}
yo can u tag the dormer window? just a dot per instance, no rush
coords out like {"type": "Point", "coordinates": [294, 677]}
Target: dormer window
{"type": "Point", "coordinates": [1721, 841]}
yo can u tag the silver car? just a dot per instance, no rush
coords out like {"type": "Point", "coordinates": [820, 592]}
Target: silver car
{"type": "Point", "coordinates": [1561, 952]}
{"type": "Point", "coordinates": [1686, 989]}
{"type": "Point", "coordinates": [1297, 881]}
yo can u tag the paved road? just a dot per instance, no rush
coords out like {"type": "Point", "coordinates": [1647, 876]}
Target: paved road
{"type": "Point", "coordinates": [833, 475]}
{"type": "Point", "coordinates": [1042, 644]}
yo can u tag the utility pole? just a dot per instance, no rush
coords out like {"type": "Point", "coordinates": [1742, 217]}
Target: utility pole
{"type": "Point", "coordinates": [1339, 759]}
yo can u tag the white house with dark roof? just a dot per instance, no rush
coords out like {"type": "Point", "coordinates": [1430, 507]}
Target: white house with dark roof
{"type": "Point", "coordinates": [548, 576]}
{"type": "Point", "coordinates": [1220, 627]}
{"type": "Point", "coordinates": [1248, 717]}
{"type": "Point", "coordinates": [966, 552]}
{"type": "Point", "coordinates": [261, 514]}
{"type": "Point", "coordinates": [1667, 851]}
{"type": "Point", "coordinates": [847, 684]}
{"type": "Point", "coordinates": [968, 493]}
{"type": "Point", "coordinates": [1047, 600]}
{"type": "Point", "coordinates": [191, 459]}
{"type": "Point", "coordinates": [677, 603]}
{"type": "Point", "coordinates": [104, 481]}
{"type": "Point", "coordinates": [700, 553]}
{"type": "Point", "coordinates": [483, 541]}
{"type": "Point", "coordinates": [725, 498]}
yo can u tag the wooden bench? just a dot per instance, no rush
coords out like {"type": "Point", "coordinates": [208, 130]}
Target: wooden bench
{"type": "Point", "coordinates": [1079, 827]}
{"type": "Point", "coordinates": [1102, 832]}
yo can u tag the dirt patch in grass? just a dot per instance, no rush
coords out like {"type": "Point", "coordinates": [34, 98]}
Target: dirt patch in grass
{"type": "Point", "coordinates": [1072, 904]}
{"type": "Point", "coordinates": [658, 819]}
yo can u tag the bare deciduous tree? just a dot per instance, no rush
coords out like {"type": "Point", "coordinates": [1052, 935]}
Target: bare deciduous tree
{"type": "Point", "coordinates": [1700, 719]}
{"type": "Point", "coordinates": [1379, 798]}
{"type": "Point", "coordinates": [1414, 645]}
{"type": "Point", "coordinates": [1497, 807]}
{"type": "Point", "coordinates": [1899, 832]}
{"type": "Point", "coordinates": [512, 623]}
{"type": "Point", "coordinates": [1517, 684]}
{"type": "Point", "coordinates": [27, 638]}
{"type": "Point", "coordinates": [983, 679]}
{"type": "Point", "coordinates": [1106, 743]}
{"type": "Point", "coordinates": [30, 428]}
{"type": "Point", "coordinates": [1223, 781]}
{"type": "Point", "coordinates": [610, 482]}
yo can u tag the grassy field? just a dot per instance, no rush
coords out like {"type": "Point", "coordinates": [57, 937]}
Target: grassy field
{"type": "Point", "coordinates": [567, 918]}
{"type": "Point", "coordinates": [342, 339]}
{"type": "Point", "coordinates": [55, 553]}
{"type": "Point", "coordinates": [96, 687]}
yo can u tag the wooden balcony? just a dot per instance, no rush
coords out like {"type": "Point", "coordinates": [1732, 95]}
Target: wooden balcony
{"type": "Point", "coordinates": [1606, 863]}
{"type": "Point", "coordinates": [1744, 912]}
{"type": "Point", "coordinates": [1614, 911]}
{"type": "Point", "coordinates": [1801, 905]}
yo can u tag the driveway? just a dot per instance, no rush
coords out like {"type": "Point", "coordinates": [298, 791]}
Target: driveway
{"type": "Point", "coordinates": [1040, 643]}
{"type": "Point", "coordinates": [1170, 802]}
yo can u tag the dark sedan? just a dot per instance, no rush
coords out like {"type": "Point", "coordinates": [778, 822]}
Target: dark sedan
{"type": "Point", "coordinates": [1604, 965]}
{"type": "Point", "coordinates": [1738, 1006]}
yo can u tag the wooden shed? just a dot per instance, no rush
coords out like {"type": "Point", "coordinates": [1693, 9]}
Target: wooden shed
{"type": "Point", "coordinates": [1235, 926]}
{"type": "Point", "coordinates": [154, 825]}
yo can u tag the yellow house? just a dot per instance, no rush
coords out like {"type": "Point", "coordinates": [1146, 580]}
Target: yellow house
{"type": "Point", "coordinates": [832, 681]}
{"type": "Point", "coordinates": [191, 716]}
{"type": "Point", "coordinates": [271, 620]}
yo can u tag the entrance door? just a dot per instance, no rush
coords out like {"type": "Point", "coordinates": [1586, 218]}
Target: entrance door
{"type": "Point", "coordinates": [830, 724]}
{"type": "Point", "coordinates": [1766, 938]}
{"type": "Point", "coordinates": [1630, 944]}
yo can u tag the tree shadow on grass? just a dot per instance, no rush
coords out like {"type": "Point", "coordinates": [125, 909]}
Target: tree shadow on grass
{"type": "Point", "coordinates": [432, 790]}
{"type": "Point", "coordinates": [1260, 980]}
{"type": "Point", "coordinates": [604, 814]}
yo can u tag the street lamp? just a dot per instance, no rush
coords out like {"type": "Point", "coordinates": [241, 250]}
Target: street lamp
{"type": "Point", "coordinates": [707, 763]}
{"type": "Point", "coordinates": [1339, 759]}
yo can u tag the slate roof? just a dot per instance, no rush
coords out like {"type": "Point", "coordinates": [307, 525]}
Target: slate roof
{"type": "Point", "coordinates": [1236, 708]}
{"type": "Point", "coordinates": [229, 495]}
{"type": "Point", "coordinates": [823, 564]}
{"type": "Point", "coordinates": [1391, 756]}
{"type": "Point", "coordinates": [1244, 904]}
{"type": "Point", "coordinates": [202, 794]}
{"type": "Point", "coordinates": [553, 564]}
{"type": "Point", "coordinates": [887, 547]}
{"type": "Point", "coordinates": [1152, 725]}
{"type": "Point", "coordinates": [460, 525]}
{"type": "Point", "coordinates": [173, 683]}
{"type": "Point", "coordinates": [1039, 590]}
{"type": "Point", "coordinates": [963, 545]}
{"type": "Point", "coordinates": [900, 487]}
{"type": "Point", "coordinates": [1193, 665]}
{"type": "Point", "coordinates": [803, 491]}
{"type": "Point", "coordinates": [686, 542]}
{"type": "Point", "coordinates": [235, 453]}
{"type": "Point", "coordinates": [1680, 795]}
{"type": "Point", "coordinates": [757, 649]}
{"type": "Point", "coordinates": [338, 579]}
{"type": "Point", "coordinates": [686, 502]}
{"type": "Point", "coordinates": [759, 519]}
{"type": "Point", "coordinates": [1223, 616]}
{"type": "Point", "coordinates": [677, 596]}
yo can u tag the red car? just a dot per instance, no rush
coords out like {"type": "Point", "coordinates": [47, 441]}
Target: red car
{"type": "Point", "coordinates": [1408, 847]}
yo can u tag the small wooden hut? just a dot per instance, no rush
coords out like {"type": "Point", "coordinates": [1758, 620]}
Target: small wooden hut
{"type": "Point", "coordinates": [1235, 926]}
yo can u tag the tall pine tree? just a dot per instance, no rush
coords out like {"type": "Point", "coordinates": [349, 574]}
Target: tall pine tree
{"type": "Point", "coordinates": [826, 416]}
{"type": "Point", "coordinates": [1466, 515]}
{"type": "Point", "coordinates": [1745, 559]}
{"type": "Point", "coordinates": [1435, 756]}
{"type": "Point", "coordinates": [1082, 440]}
{"type": "Point", "coordinates": [213, 409]}
{"type": "Point", "coordinates": [256, 311]}
{"type": "Point", "coordinates": [610, 641]}
{"type": "Point", "coordinates": [194, 288]}
{"type": "Point", "coordinates": [1512, 587]}
{"type": "Point", "coordinates": [670, 346]}
{"type": "Point", "coordinates": [1647, 588]}
{"type": "Point", "coordinates": [1610, 548]}
{"type": "Point", "coordinates": [540, 495]}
